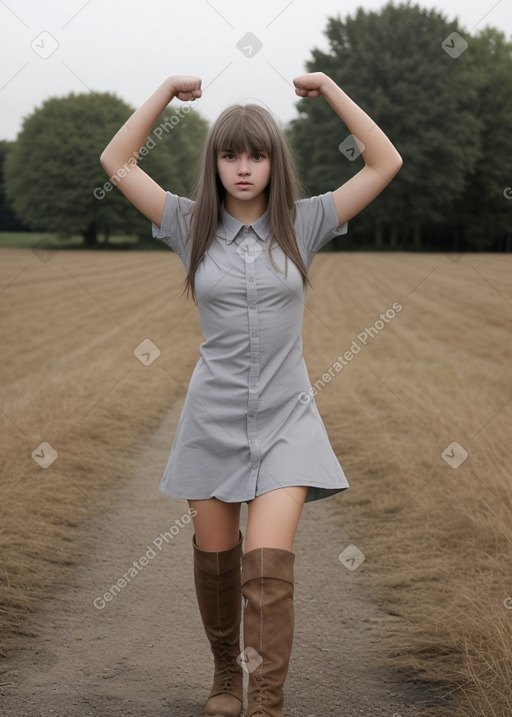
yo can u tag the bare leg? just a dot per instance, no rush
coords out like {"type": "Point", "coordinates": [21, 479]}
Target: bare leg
{"type": "Point", "coordinates": [216, 524]}
{"type": "Point", "coordinates": [273, 517]}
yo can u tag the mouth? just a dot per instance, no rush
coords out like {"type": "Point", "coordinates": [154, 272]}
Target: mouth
{"type": "Point", "coordinates": [244, 184]}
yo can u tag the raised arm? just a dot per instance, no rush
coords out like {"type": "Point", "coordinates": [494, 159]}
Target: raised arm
{"type": "Point", "coordinates": [117, 159]}
{"type": "Point", "coordinates": [382, 161]}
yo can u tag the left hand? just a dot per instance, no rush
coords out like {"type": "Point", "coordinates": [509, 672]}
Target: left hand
{"type": "Point", "coordinates": [310, 85]}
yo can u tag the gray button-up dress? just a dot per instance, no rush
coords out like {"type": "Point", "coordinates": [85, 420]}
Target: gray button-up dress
{"type": "Point", "coordinates": [246, 427]}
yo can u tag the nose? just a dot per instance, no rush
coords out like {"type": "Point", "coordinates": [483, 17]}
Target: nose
{"type": "Point", "coordinates": [243, 165]}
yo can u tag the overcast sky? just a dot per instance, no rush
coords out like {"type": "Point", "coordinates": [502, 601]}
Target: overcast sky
{"type": "Point", "coordinates": [129, 47]}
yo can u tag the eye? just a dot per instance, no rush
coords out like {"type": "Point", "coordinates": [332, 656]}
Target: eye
{"type": "Point", "coordinates": [258, 156]}
{"type": "Point", "coordinates": [227, 155]}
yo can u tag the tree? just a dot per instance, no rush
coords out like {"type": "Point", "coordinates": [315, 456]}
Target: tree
{"type": "Point", "coordinates": [392, 64]}
{"type": "Point", "coordinates": [484, 212]}
{"type": "Point", "coordinates": [8, 219]}
{"type": "Point", "coordinates": [53, 176]}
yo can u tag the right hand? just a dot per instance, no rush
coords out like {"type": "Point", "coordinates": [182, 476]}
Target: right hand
{"type": "Point", "coordinates": [185, 87]}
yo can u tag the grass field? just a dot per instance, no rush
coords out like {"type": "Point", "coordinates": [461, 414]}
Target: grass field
{"type": "Point", "coordinates": [47, 241]}
{"type": "Point", "coordinates": [409, 357]}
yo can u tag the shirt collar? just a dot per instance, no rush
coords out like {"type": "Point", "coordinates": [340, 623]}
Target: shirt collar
{"type": "Point", "coordinates": [229, 227]}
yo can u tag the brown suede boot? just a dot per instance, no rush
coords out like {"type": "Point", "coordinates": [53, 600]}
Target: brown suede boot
{"type": "Point", "coordinates": [217, 581]}
{"type": "Point", "coordinates": [267, 588]}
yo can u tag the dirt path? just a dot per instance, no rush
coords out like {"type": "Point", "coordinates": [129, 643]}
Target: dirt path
{"type": "Point", "coordinates": [144, 653]}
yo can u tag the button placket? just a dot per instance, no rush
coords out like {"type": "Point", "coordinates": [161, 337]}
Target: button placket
{"type": "Point", "coordinates": [254, 366]}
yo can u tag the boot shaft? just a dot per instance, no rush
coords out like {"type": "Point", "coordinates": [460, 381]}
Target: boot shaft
{"type": "Point", "coordinates": [217, 583]}
{"type": "Point", "coordinates": [267, 588]}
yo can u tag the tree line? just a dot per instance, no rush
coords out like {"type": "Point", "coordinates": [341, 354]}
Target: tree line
{"type": "Point", "coordinates": [53, 180]}
{"type": "Point", "coordinates": [443, 95]}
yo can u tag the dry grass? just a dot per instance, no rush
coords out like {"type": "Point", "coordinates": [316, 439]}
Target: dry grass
{"type": "Point", "coordinates": [69, 378]}
{"type": "Point", "coordinates": [436, 539]}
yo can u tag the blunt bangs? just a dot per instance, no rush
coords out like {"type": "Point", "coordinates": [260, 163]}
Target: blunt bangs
{"type": "Point", "coordinates": [242, 128]}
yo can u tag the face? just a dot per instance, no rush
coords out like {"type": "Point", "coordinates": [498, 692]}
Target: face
{"type": "Point", "coordinates": [244, 176]}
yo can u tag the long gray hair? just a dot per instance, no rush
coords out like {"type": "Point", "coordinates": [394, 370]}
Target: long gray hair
{"type": "Point", "coordinates": [245, 128]}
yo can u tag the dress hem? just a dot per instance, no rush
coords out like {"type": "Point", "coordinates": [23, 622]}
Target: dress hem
{"type": "Point", "coordinates": [314, 493]}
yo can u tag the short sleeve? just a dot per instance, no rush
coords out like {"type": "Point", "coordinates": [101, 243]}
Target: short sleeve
{"type": "Point", "coordinates": [316, 223]}
{"type": "Point", "coordinates": [175, 225]}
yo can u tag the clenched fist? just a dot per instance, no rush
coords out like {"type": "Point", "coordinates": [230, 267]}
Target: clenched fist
{"type": "Point", "coordinates": [185, 88]}
{"type": "Point", "coordinates": [311, 85]}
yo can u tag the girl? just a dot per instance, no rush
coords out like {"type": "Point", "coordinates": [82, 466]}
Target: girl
{"type": "Point", "coordinates": [250, 430]}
